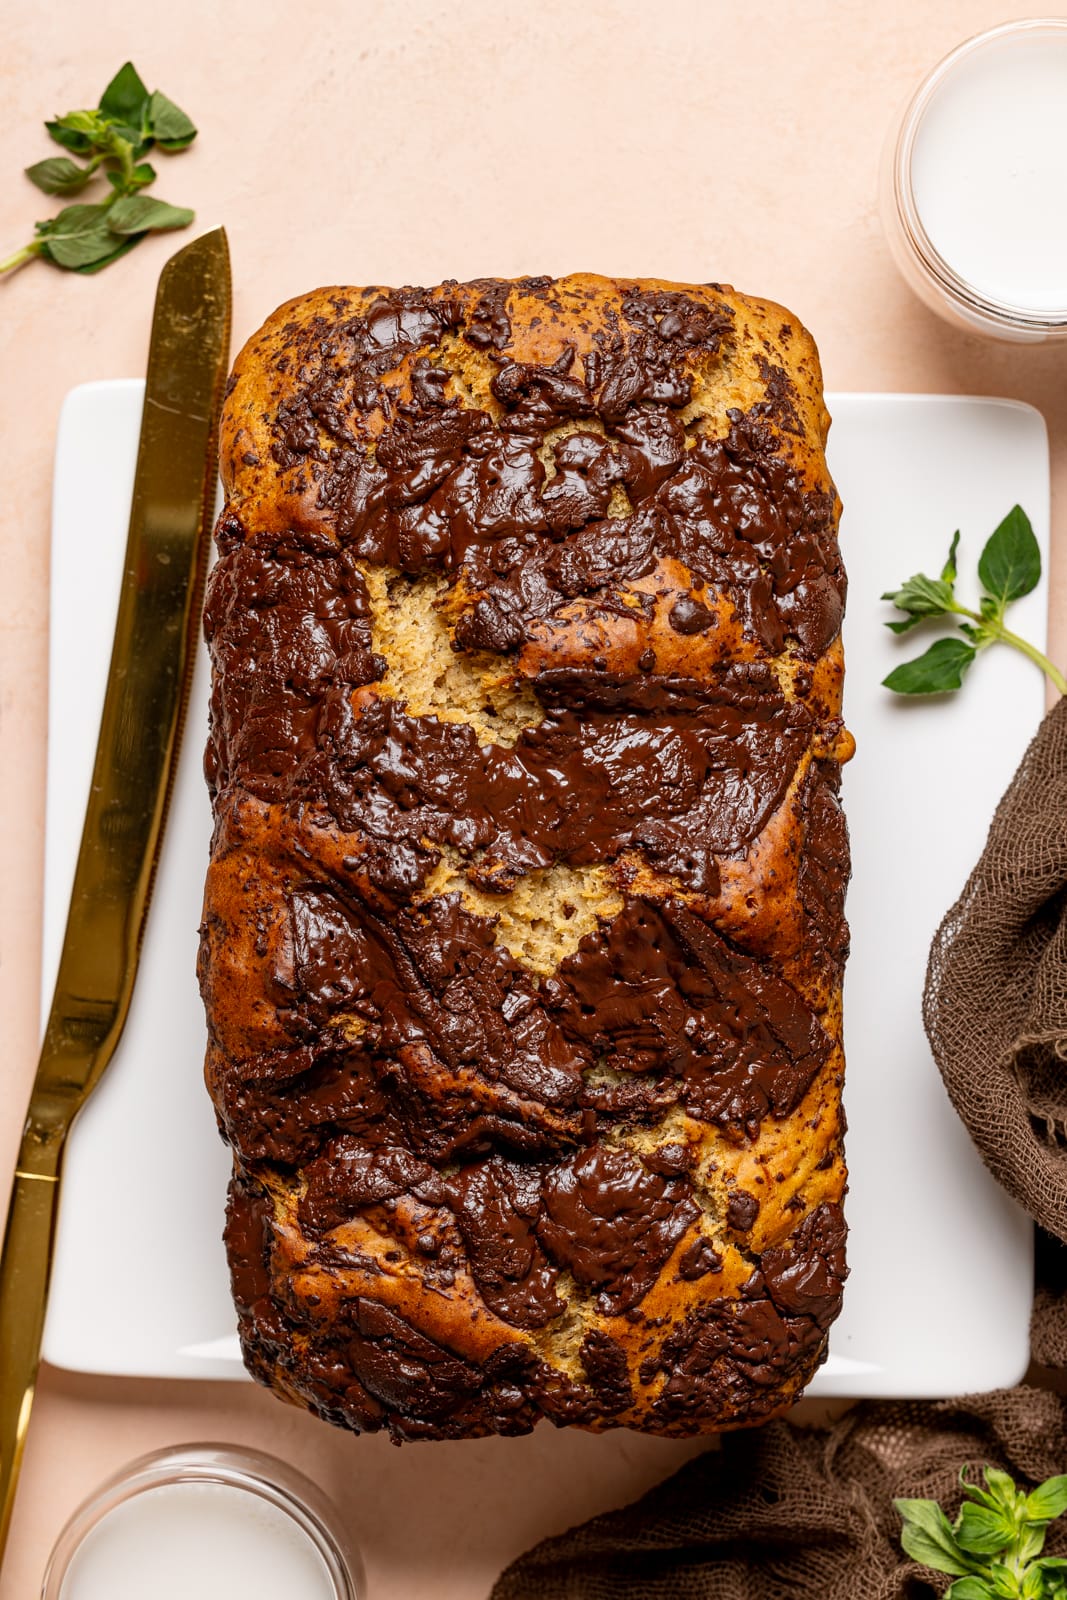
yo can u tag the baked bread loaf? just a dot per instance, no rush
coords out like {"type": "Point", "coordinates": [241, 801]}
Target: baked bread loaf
{"type": "Point", "coordinates": [523, 936]}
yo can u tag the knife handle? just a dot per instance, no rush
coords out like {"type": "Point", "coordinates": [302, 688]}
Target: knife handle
{"type": "Point", "coordinates": [25, 1267]}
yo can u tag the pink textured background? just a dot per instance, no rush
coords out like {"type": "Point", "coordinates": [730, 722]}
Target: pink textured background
{"type": "Point", "coordinates": [358, 142]}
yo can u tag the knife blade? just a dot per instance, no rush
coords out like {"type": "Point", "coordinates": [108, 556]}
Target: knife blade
{"type": "Point", "coordinates": [136, 756]}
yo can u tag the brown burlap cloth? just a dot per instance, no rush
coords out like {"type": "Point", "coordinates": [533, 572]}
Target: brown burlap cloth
{"type": "Point", "coordinates": [807, 1514]}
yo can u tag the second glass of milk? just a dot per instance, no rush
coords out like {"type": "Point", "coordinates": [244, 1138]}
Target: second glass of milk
{"type": "Point", "coordinates": [974, 185]}
{"type": "Point", "coordinates": [205, 1522]}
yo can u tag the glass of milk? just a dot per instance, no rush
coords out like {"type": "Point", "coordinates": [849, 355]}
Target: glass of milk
{"type": "Point", "coordinates": [974, 183]}
{"type": "Point", "coordinates": [204, 1522]}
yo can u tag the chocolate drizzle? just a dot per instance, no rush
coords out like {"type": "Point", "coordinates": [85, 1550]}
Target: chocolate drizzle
{"type": "Point", "coordinates": [576, 788]}
{"type": "Point", "coordinates": [431, 1119]}
{"type": "Point", "coordinates": [448, 490]}
{"type": "Point", "coordinates": [659, 994]}
{"type": "Point", "coordinates": [732, 1355]}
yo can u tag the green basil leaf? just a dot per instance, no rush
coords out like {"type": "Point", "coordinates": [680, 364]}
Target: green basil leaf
{"type": "Point", "coordinates": [139, 213]}
{"type": "Point", "coordinates": [983, 1497]}
{"type": "Point", "coordinates": [969, 1589]}
{"type": "Point", "coordinates": [173, 146]}
{"type": "Point", "coordinates": [927, 1536]}
{"type": "Point", "coordinates": [121, 248]}
{"type": "Point", "coordinates": [58, 175]}
{"type": "Point", "coordinates": [1002, 1581]}
{"type": "Point", "coordinates": [1030, 1541]}
{"type": "Point", "coordinates": [948, 571]}
{"type": "Point", "coordinates": [1049, 1563]}
{"type": "Point", "coordinates": [126, 132]}
{"type": "Point", "coordinates": [90, 124]}
{"type": "Point", "coordinates": [139, 178]}
{"type": "Point", "coordinates": [125, 96]}
{"type": "Point", "coordinates": [982, 1531]}
{"type": "Point", "coordinates": [922, 596]}
{"type": "Point", "coordinates": [79, 236]}
{"type": "Point", "coordinates": [904, 624]}
{"type": "Point", "coordinates": [69, 138]}
{"type": "Point", "coordinates": [1033, 1585]}
{"type": "Point", "coordinates": [1010, 564]}
{"type": "Point", "coordinates": [172, 129]}
{"type": "Point", "coordinates": [1002, 1486]}
{"type": "Point", "coordinates": [1048, 1500]}
{"type": "Point", "coordinates": [938, 671]}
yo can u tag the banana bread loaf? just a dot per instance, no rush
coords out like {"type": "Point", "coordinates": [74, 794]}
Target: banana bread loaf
{"type": "Point", "coordinates": [523, 935]}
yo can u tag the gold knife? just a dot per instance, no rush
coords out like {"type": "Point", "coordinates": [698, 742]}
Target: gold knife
{"type": "Point", "coordinates": [136, 755]}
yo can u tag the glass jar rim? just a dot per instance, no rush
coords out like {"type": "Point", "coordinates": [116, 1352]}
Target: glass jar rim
{"type": "Point", "coordinates": [252, 1471]}
{"type": "Point", "coordinates": [1051, 318]}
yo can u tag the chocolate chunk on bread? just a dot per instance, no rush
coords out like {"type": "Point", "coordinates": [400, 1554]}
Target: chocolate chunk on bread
{"type": "Point", "coordinates": [523, 936]}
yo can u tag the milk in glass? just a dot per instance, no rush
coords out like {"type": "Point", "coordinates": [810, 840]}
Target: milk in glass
{"type": "Point", "coordinates": [196, 1541]}
{"type": "Point", "coordinates": [989, 169]}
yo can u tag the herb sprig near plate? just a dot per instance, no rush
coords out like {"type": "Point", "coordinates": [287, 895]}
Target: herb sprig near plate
{"type": "Point", "coordinates": [112, 140]}
{"type": "Point", "coordinates": [993, 1548]}
{"type": "Point", "coordinates": [1008, 568]}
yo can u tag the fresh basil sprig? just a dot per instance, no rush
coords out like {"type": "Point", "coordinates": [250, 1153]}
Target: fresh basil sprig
{"type": "Point", "coordinates": [1008, 568]}
{"type": "Point", "coordinates": [993, 1549]}
{"type": "Point", "coordinates": [113, 138]}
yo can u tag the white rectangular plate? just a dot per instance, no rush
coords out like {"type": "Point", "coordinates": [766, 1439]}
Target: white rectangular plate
{"type": "Point", "coordinates": [140, 1284]}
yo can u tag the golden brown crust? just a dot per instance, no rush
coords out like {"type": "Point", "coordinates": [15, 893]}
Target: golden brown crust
{"type": "Point", "coordinates": [523, 931]}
